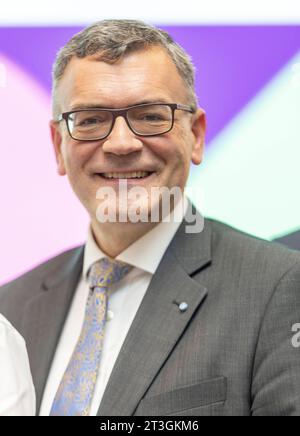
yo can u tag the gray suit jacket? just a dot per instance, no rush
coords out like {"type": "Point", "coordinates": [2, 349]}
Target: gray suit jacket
{"type": "Point", "coordinates": [229, 353]}
{"type": "Point", "coordinates": [292, 240]}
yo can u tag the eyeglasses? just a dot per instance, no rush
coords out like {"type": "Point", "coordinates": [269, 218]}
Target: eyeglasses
{"type": "Point", "coordinates": [142, 119]}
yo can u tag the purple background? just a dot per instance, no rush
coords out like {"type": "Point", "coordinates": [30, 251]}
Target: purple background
{"type": "Point", "coordinates": [40, 215]}
{"type": "Point", "coordinates": [233, 62]}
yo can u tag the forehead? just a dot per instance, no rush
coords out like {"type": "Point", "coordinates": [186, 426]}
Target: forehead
{"type": "Point", "coordinates": [147, 75]}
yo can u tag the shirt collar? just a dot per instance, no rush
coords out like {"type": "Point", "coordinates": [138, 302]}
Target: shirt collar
{"type": "Point", "coordinates": [146, 252]}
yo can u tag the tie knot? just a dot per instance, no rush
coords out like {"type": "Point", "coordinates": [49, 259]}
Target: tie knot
{"type": "Point", "coordinates": [106, 271]}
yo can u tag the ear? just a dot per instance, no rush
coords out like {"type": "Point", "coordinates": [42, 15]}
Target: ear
{"type": "Point", "coordinates": [57, 143]}
{"type": "Point", "coordinates": [198, 130]}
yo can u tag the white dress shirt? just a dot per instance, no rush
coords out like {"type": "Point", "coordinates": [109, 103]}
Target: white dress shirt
{"type": "Point", "coordinates": [17, 395]}
{"type": "Point", "coordinates": [124, 299]}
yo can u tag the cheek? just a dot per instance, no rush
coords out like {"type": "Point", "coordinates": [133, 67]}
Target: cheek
{"type": "Point", "coordinates": [170, 148]}
{"type": "Point", "coordinates": [180, 152]}
{"type": "Point", "coordinates": [76, 155]}
{"type": "Point", "coordinates": [174, 150]}
{"type": "Point", "coordinates": [181, 156]}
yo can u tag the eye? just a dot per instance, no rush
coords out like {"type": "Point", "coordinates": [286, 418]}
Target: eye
{"type": "Point", "coordinates": [152, 117]}
{"type": "Point", "coordinates": [91, 121]}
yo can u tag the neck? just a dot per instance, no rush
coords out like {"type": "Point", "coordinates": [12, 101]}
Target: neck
{"type": "Point", "coordinates": [113, 238]}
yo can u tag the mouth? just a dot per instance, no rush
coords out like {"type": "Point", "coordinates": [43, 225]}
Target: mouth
{"type": "Point", "coordinates": [130, 176]}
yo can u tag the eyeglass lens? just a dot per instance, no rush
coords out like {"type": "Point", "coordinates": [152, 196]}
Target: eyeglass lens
{"type": "Point", "coordinates": [143, 120]}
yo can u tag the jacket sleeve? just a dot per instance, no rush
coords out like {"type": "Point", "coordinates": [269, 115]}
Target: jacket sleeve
{"type": "Point", "coordinates": [276, 370]}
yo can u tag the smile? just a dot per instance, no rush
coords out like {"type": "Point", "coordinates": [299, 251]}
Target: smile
{"type": "Point", "coordinates": [128, 175]}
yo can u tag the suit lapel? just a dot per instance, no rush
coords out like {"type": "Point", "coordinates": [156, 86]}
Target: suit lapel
{"type": "Point", "coordinates": [153, 334]}
{"type": "Point", "coordinates": [44, 318]}
{"type": "Point", "coordinates": [159, 323]}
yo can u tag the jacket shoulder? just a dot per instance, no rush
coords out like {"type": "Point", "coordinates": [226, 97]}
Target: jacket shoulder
{"type": "Point", "coordinates": [28, 284]}
{"type": "Point", "coordinates": [249, 250]}
{"type": "Point", "coordinates": [291, 240]}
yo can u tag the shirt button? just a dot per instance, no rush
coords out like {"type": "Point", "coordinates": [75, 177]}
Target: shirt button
{"type": "Point", "coordinates": [110, 315]}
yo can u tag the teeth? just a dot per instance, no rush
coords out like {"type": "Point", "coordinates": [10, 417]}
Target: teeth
{"type": "Point", "coordinates": [133, 175]}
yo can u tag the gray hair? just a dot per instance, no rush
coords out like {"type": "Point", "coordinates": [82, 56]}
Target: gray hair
{"type": "Point", "coordinates": [113, 39]}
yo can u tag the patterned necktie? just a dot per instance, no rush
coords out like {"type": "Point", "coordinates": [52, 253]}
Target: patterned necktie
{"type": "Point", "coordinates": [75, 392]}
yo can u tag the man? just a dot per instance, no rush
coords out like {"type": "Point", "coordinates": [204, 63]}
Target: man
{"type": "Point", "coordinates": [149, 318]}
{"type": "Point", "coordinates": [17, 396]}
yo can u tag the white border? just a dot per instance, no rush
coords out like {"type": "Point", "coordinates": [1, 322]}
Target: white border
{"type": "Point", "coordinates": [78, 12]}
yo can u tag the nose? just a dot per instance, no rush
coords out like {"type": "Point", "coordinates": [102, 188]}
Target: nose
{"type": "Point", "coordinates": [121, 139]}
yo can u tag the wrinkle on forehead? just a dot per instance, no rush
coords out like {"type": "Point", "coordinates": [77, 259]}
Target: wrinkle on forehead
{"type": "Point", "coordinates": [143, 75]}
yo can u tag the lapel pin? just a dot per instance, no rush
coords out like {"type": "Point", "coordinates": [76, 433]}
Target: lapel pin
{"type": "Point", "coordinates": [182, 306]}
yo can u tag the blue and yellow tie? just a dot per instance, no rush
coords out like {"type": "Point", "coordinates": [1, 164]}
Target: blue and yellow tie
{"type": "Point", "coordinates": [75, 392]}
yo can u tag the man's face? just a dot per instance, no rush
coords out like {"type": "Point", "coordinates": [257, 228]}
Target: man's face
{"type": "Point", "coordinates": [144, 76]}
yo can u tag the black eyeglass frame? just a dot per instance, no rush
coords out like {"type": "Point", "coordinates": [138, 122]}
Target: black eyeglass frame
{"type": "Point", "coordinates": [123, 113]}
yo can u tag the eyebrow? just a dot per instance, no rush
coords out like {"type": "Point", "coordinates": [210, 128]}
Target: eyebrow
{"type": "Point", "coordinates": [79, 106]}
